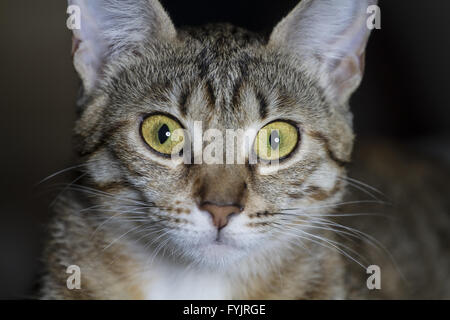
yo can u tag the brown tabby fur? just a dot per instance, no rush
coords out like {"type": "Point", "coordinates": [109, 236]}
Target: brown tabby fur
{"type": "Point", "coordinates": [229, 78]}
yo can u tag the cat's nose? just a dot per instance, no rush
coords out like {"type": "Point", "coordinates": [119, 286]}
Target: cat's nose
{"type": "Point", "coordinates": [220, 213]}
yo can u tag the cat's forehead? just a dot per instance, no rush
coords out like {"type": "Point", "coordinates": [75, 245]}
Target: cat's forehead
{"type": "Point", "coordinates": [223, 76]}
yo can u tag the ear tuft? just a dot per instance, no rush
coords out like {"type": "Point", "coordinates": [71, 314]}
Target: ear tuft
{"type": "Point", "coordinates": [110, 27]}
{"type": "Point", "coordinates": [330, 37]}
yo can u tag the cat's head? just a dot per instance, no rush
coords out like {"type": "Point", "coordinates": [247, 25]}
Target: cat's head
{"type": "Point", "coordinates": [143, 79]}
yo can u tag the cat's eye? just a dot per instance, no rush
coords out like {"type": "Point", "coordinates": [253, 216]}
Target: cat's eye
{"type": "Point", "coordinates": [276, 140]}
{"type": "Point", "coordinates": [163, 134]}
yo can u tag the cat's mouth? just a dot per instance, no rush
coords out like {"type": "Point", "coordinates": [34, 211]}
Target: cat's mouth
{"type": "Point", "coordinates": [221, 241]}
{"type": "Point", "coordinates": [219, 249]}
{"type": "Point", "coordinates": [219, 238]}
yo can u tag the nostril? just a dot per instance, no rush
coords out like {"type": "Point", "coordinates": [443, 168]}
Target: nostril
{"type": "Point", "coordinates": [221, 213]}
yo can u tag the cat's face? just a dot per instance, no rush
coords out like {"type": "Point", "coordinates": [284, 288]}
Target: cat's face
{"type": "Point", "coordinates": [214, 212]}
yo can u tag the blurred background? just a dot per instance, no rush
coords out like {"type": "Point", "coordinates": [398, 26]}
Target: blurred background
{"type": "Point", "coordinates": [404, 97]}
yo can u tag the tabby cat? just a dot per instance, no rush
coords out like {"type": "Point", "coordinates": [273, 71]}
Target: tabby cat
{"type": "Point", "coordinates": [147, 218]}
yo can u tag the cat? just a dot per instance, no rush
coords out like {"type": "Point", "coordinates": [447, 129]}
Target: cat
{"type": "Point", "coordinates": [140, 223]}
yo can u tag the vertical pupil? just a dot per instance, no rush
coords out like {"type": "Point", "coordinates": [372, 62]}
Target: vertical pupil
{"type": "Point", "coordinates": [274, 139]}
{"type": "Point", "coordinates": [163, 133]}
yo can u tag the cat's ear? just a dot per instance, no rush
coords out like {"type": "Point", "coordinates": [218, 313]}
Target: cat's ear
{"type": "Point", "coordinates": [330, 37]}
{"type": "Point", "coordinates": [109, 27]}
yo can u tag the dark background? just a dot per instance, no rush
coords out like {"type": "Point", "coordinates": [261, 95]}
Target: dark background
{"type": "Point", "coordinates": [404, 97]}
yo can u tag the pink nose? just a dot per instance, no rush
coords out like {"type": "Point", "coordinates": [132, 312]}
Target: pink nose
{"type": "Point", "coordinates": [220, 213]}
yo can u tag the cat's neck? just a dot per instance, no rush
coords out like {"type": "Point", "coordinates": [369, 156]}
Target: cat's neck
{"type": "Point", "coordinates": [248, 279]}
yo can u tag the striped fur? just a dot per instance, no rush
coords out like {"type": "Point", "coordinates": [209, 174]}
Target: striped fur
{"type": "Point", "coordinates": [132, 220]}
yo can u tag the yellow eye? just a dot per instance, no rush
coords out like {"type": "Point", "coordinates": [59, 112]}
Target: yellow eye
{"type": "Point", "coordinates": [276, 140]}
{"type": "Point", "coordinates": [163, 134]}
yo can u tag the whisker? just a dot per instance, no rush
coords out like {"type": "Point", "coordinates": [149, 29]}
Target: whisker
{"type": "Point", "coordinates": [329, 246]}
{"type": "Point", "coordinates": [358, 234]}
{"type": "Point", "coordinates": [337, 231]}
{"type": "Point", "coordinates": [95, 192]}
{"type": "Point", "coordinates": [361, 235]}
{"type": "Point", "coordinates": [60, 172]}
{"type": "Point", "coordinates": [341, 204]}
{"type": "Point", "coordinates": [66, 188]}
{"type": "Point", "coordinates": [364, 185]}
{"type": "Point", "coordinates": [123, 235]}
{"type": "Point", "coordinates": [334, 214]}
{"type": "Point", "coordinates": [332, 242]}
{"type": "Point", "coordinates": [158, 248]}
{"type": "Point", "coordinates": [356, 186]}
{"type": "Point", "coordinates": [106, 221]}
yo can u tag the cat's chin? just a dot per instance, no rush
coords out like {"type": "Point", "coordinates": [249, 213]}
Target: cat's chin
{"type": "Point", "coordinates": [218, 254]}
